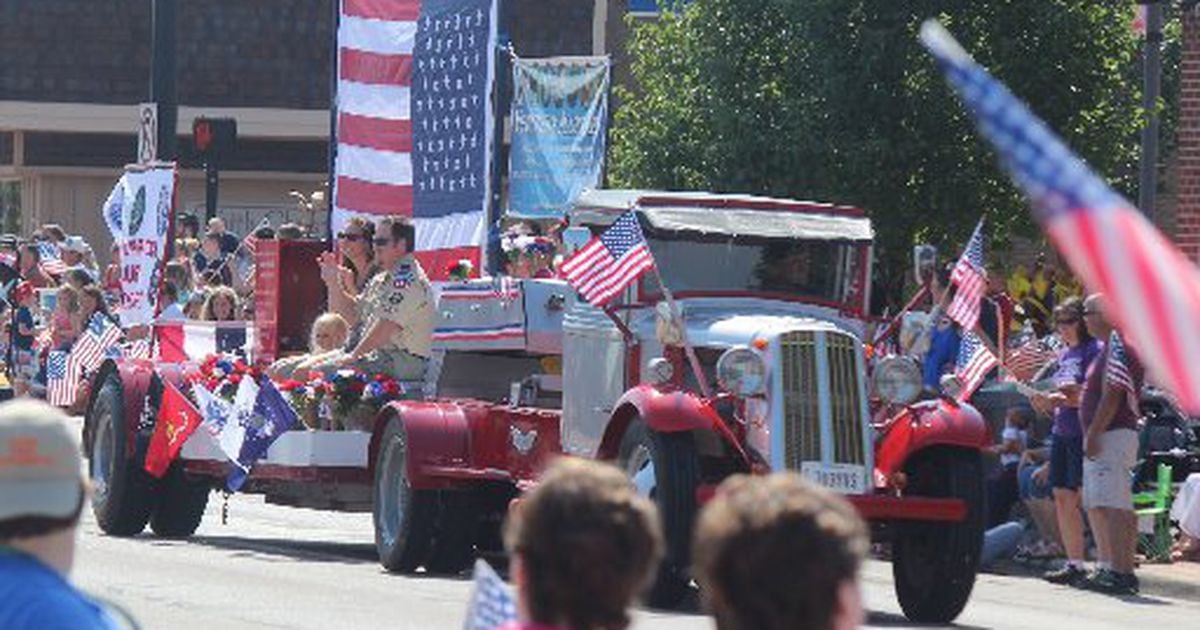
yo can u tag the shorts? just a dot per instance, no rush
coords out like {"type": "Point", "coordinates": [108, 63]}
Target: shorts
{"type": "Point", "coordinates": [1029, 488]}
{"type": "Point", "coordinates": [1107, 479]}
{"type": "Point", "coordinates": [1066, 462]}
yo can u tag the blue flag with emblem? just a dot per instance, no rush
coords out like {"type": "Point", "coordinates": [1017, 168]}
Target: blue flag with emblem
{"type": "Point", "coordinates": [245, 428]}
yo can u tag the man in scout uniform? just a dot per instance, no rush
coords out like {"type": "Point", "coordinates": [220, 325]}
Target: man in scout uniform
{"type": "Point", "coordinates": [396, 311]}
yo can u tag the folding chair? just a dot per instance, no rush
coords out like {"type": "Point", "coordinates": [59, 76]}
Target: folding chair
{"type": "Point", "coordinates": [1155, 506]}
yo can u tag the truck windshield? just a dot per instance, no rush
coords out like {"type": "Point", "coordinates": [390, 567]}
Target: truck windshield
{"type": "Point", "coordinates": [826, 271]}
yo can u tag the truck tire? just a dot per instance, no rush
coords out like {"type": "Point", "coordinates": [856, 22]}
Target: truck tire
{"type": "Point", "coordinates": [454, 543]}
{"type": "Point", "coordinates": [667, 467]}
{"type": "Point", "coordinates": [403, 517]}
{"type": "Point", "coordinates": [180, 505]}
{"type": "Point", "coordinates": [934, 564]}
{"type": "Point", "coordinates": [122, 495]}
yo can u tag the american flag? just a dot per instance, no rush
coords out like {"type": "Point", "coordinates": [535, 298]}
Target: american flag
{"type": "Point", "coordinates": [414, 120]}
{"type": "Point", "coordinates": [97, 342]}
{"type": "Point", "coordinates": [1024, 362]}
{"type": "Point", "coordinates": [1153, 289]}
{"type": "Point", "coordinates": [973, 364]}
{"type": "Point", "coordinates": [492, 602]}
{"type": "Point", "coordinates": [610, 262]}
{"type": "Point", "coordinates": [50, 259]}
{"type": "Point", "coordinates": [971, 279]}
{"type": "Point", "coordinates": [1116, 372]}
{"type": "Point", "coordinates": [62, 378]}
{"type": "Point", "coordinates": [137, 349]}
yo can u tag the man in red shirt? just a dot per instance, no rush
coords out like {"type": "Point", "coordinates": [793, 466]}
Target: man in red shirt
{"type": "Point", "coordinates": [1108, 411]}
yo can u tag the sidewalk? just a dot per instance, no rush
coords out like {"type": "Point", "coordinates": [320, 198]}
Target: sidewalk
{"type": "Point", "coordinates": [1180, 580]}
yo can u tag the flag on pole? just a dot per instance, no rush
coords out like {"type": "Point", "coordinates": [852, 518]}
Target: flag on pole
{"type": "Point", "coordinates": [970, 279]}
{"type": "Point", "coordinates": [492, 602]}
{"type": "Point", "coordinates": [610, 262]}
{"type": "Point", "coordinates": [1153, 289]}
{"type": "Point", "coordinates": [1117, 372]}
{"type": "Point", "coordinates": [271, 417]}
{"type": "Point", "coordinates": [177, 420]}
{"type": "Point", "coordinates": [973, 364]}
{"type": "Point", "coordinates": [414, 120]}
{"type": "Point", "coordinates": [97, 342]}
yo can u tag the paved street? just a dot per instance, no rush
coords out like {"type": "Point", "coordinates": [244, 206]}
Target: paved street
{"type": "Point", "coordinates": [277, 567]}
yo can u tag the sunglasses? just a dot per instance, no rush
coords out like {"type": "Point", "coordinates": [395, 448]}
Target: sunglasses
{"type": "Point", "coordinates": [353, 238]}
{"type": "Point", "coordinates": [1067, 322]}
{"type": "Point", "coordinates": [380, 242]}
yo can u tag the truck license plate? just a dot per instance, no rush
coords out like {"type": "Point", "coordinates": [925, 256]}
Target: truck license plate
{"type": "Point", "coordinates": [841, 478]}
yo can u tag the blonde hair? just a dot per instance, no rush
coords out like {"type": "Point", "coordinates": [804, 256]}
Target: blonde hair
{"type": "Point", "coordinates": [67, 298]}
{"type": "Point", "coordinates": [207, 313]}
{"type": "Point", "coordinates": [336, 325]}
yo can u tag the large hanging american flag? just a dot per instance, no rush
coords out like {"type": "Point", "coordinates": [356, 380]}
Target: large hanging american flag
{"type": "Point", "coordinates": [1153, 289]}
{"type": "Point", "coordinates": [970, 278]}
{"type": "Point", "coordinates": [603, 268]}
{"type": "Point", "coordinates": [414, 120]}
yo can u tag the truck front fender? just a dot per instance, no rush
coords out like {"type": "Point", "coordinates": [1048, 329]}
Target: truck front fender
{"type": "Point", "coordinates": [437, 435]}
{"type": "Point", "coordinates": [926, 424]}
{"type": "Point", "coordinates": [665, 411]}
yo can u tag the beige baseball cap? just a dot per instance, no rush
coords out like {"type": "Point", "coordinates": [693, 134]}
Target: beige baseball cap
{"type": "Point", "coordinates": [40, 465]}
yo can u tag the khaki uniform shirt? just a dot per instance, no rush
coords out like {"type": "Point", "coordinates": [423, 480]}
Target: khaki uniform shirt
{"type": "Point", "coordinates": [401, 295]}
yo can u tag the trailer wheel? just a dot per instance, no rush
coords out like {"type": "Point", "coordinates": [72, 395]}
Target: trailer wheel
{"type": "Point", "coordinates": [403, 517]}
{"type": "Point", "coordinates": [181, 503]}
{"type": "Point", "coordinates": [666, 467]}
{"type": "Point", "coordinates": [454, 544]}
{"type": "Point", "coordinates": [121, 497]}
{"type": "Point", "coordinates": [934, 564]}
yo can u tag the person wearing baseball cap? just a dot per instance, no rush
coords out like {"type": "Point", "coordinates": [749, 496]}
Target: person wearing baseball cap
{"type": "Point", "coordinates": [42, 492]}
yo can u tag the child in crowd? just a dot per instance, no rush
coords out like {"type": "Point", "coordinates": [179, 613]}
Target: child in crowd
{"type": "Point", "coordinates": [64, 320]}
{"type": "Point", "coordinates": [24, 359]}
{"type": "Point", "coordinates": [221, 305]}
{"type": "Point", "coordinates": [1002, 486]}
{"type": "Point", "coordinates": [330, 332]}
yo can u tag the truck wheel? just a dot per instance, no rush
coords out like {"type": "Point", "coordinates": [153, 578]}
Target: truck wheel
{"type": "Point", "coordinates": [934, 564]}
{"type": "Point", "coordinates": [454, 544]}
{"type": "Point", "coordinates": [121, 498]}
{"type": "Point", "coordinates": [403, 517]}
{"type": "Point", "coordinates": [666, 467]}
{"type": "Point", "coordinates": [180, 506]}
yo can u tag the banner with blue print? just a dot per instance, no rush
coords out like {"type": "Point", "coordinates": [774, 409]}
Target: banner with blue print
{"type": "Point", "coordinates": [559, 124]}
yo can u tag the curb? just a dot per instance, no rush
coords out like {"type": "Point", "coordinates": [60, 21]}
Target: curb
{"type": "Point", "coordinates": [1151, 578]}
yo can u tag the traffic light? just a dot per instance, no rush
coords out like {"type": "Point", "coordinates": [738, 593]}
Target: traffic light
{"type": "Point", "coordinates": [214, 138]}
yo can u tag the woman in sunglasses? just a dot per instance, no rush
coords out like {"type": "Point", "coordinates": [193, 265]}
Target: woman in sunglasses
{"type": "Point", "coordinates": [346, 278]}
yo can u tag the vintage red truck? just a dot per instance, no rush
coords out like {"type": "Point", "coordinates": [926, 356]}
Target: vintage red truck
{"type": "Point", "coordinates": [773, 296]}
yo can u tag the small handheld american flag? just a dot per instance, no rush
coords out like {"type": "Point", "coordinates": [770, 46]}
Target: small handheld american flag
{"type": "Point", "coordinates": [1153, 288]}
{"type": "Point", "coordinates": [60, 381]}
{"type": "Point", "coordinates": [970, 278]}
{"type": "Point", "coordinates": [609, 262]}
{"type": "Point", "coordinates": [973, 364]}
{"type": "Point", "coordinates": [50, 259]}
{"type": "Point", "coordinates": [492, 601]}
{"type": "Point", "coordinates": [1116, 372]}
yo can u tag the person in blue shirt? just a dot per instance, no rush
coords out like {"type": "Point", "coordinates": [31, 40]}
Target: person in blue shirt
{"type": "Point", "coordinates": [42, 493]}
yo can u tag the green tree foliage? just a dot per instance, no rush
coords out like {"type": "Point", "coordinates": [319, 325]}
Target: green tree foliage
{"type": "Point", "coordinates": [836, 100]}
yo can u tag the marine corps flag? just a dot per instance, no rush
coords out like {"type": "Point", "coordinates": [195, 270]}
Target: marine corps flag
{"type": "Point", "coordinates": [177, 419]}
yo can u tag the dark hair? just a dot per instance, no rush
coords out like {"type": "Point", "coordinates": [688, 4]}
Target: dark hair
{"type": "Point", "coordinates": [368, 230]}
{"type": "Point", "coordinates": [31, 526]}
{"type": "Point", "coordinates": [289, 231]}
{"type": "Point", "coordinates": [399, 228]}
{"type": "Point", "coordinates": [772, 552]}
{"type": "Point", "coordinates": [190, 223]}
{"type": "Point", "coordinates": [55, 232]}
{"type": "Point", "coordinates": [264, 232]}
{"type": "Point", "coordinates": [588, 543]}
{"type": "Point", "coordinates": [1072, 308]}
{"type": "Point", "coordinates": [170, 293]}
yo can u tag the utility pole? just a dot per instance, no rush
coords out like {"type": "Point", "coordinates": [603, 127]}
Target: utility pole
{"type": "Point", "coordinates": [162, 77]}
{"type": "Point", "coordinates": [1152, 75]}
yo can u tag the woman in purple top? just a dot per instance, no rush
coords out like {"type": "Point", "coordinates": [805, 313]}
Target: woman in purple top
{"type": "Point", "coordinates": [1066, 451]}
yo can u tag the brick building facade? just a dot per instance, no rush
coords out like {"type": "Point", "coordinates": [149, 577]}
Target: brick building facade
{"type": "Point", "coordinates": [74, 71]}
{"type": "Point", "coordinates": [1186, 171]}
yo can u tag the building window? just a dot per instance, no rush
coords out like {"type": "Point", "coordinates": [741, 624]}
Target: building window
{"type": "Point", "coordinates": [10, 206]}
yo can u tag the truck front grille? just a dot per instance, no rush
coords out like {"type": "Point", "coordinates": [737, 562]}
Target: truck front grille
{"type": "Point", "coordinates": [802, 392]}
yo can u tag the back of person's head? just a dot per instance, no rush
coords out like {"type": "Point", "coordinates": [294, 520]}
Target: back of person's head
{"type": "Point", "coordinates": [41, 485]}
{"type": "Point", "coordinates": [398, 229]}
{"type": "Point", "coordinates": [264, 232]}
{"type": "Point", "coordinates": [585, 545]}
{"type": "Point", "coordinates": [54, 232]}
{"type": "Point", "coordinates": [170, 293]}
{"type": "Point", "coordinates": [178, 274]}
{"type": "Point", "coordinates": [778, 552]}
{"type": "Point", "coordinates": [289, 231]}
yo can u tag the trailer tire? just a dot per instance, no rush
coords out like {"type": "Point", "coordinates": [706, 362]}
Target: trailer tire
{"type": "Point", "coordinates": [181, 504]}
{"type": "Point", "coordinates": [122, 491]}
{"type": "Point", "coordinates": [934, 564]}
{"type": "Point", "coordinates": [454, 544]}
{"type": "Point", "coordinates": [403, 517]}
{"type": "Point", "coordinates": [674, 471]}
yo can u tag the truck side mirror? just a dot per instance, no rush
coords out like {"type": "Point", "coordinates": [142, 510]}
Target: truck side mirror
{"type": "Point", "coordinates": [924, 262]}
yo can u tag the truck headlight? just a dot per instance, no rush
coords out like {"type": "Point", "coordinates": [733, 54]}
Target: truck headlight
{"type": "Point", "coordinates": [897, 380]}
{"type": "Point", "coordinates": [742, 371]}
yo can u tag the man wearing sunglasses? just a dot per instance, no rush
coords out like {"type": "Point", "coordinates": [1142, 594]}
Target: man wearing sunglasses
{"type": "Point", "coordinates": [395, 312]}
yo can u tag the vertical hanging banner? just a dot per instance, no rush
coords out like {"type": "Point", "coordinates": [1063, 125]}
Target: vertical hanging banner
{"type": "Point", "coordinates": [559, 119]}
{"type": "Point", "coordinates": [415, 120]}
{"type": "Point", "coordinates": [138, 214]}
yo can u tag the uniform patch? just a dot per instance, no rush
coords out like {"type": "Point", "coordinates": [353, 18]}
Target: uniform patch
{"type": "Point", "coordinates": [403, 277]}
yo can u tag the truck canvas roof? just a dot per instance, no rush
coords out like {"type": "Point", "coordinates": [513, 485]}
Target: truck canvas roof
{"type": "Point", "coordinates": [733, 215]}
